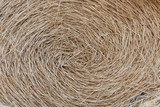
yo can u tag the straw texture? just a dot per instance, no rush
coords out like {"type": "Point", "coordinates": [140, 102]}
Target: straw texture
{"type": "Point", "coordinates": [85, 53]}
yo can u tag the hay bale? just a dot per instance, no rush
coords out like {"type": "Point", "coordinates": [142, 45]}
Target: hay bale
{"type": "Point", "coordinates": [79, 52]}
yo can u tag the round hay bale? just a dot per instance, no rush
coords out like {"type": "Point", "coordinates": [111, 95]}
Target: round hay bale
{"type": "Point", "coordinates": [66, 53]}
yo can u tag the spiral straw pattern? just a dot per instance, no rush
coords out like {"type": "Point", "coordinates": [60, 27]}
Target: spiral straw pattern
{"type": "Point", "coordinates": [85, 53]}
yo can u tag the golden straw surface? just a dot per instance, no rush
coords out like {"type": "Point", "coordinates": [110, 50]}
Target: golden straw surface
{"type": "Point", "coordinates": [83, 53]}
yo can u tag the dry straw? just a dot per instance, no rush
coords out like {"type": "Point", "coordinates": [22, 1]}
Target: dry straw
{"type": "Point", "coordinates": [66, 53]}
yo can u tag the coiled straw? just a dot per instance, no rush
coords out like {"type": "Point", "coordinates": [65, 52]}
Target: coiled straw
{"type": "Point", "coordinates": [86, 53]}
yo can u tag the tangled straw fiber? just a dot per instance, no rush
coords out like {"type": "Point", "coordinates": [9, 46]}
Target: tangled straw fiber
{"type": "Point", "coordinates": [66, 53]}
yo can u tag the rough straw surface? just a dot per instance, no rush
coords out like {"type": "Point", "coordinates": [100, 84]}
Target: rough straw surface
{"type": "Point", "coordinates": [66, 53]}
